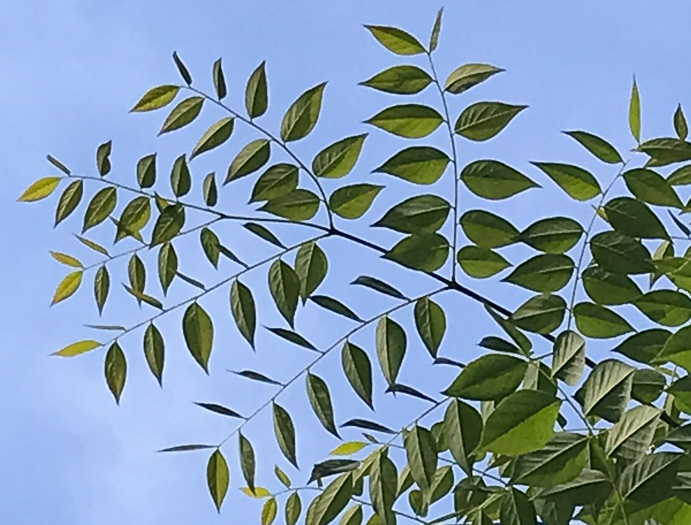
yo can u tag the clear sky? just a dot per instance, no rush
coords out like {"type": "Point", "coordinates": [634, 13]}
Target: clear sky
{"type": "Point", "coordinates": [71, 70]}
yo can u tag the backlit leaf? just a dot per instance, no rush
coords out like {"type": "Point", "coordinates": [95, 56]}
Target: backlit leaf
{"type": "Point", "coordinates": [599, 147]}
{"type": "Point", "coordinates": [665, 307]}
{"type": "Point", "coordinates": [481, 262]}
{"type": "Point", "coordinates": [154, 352]}
{"type": "Point", "coordinates": [487, 230]}
{"type": "Point", "coordinates": [483, 120]}
{"type": "Point", "coordinates": [607, 390]}
{"type": "Point", "coordinates": [517, 508]}
{"type": "Point", "coordinates": [543, 273]}
{"type": "Point", "coordinates": [400, 80]}
{"type": "Point", "coordinates": [494, 180]}
{"type": "Point", "coordinates": [541, 314]}
{"type": "Point", "coordinates": [488, 378]}
{"type": "Point", "coordinates": [396, 40]}
{"type": "Point", "coordinates": [182, 114]}
{"type": "Point", "coordinates": [213, 137]}
{"type": "Point", "coordinates": [631, 436]}
{"type": "Point", "coordinates": [352, 202]}
{"type": "Point", "coordinates": [277, 181]}
{"type": "Point", "coordinates": [67, 287]}
{"type": "Point", "coordinates": [257, 92]}
{"type": "Point", "coordinates": [167, 265]}
{"type": "Point", "coordinates": [156, 98]}
{"type": "Point", "coordinates": [320, 400]}
{"type": "Point", "coordinates": [407, 120]}
{"type": "Point", "coordinates": [244, 311]}
{"type": "Point", "coordinates": [599, 322]}
{"type": "Point", "coordinates": [427, 252]}
{"type": "Point", "coordinates": [67, 260]}
{"type": "Point", "coordinates": [78, 348]}
{"type": "Point", "coordinates": [338, 159]}
{"type": "Point", "coordinates": [40, 189]}
{"type": "Point", "coordinates": [418, 164]}
{"type": "Point", "coordinates": [559, 461]}
{"type": "Point", "coordinates": [115, 370]}
{"type": "Point", "coordinates": [250, 158]}
{"type": "Point", "coordinates": [391, 348]}
{"type": "Point", "coordinates": [298, 205]}
{"type": "Point", "coordinates": [100, 207]}
{"type": "Point", "coordinates": [430, 322]}
{"type": "Point", "coordinates": [69, 200]}
{"type": "Point", "coordinates": [358, 371]}
{"type": "Point", "coordinates": [217, 478]}
{"type": "Point", "coordinates": [285, 433]}
{"type": "Point", "coordinates": [302, 115]}
{"type": "Point", "coordinates": [467, 76]}
{"type": "Point", "coordinates": [284, 285]}
{"type": "Point", "coordinates": [578, 183]}
{"type": "Point", "coordinates": [168, 224]}
{"type": "Point", "coordinates": [198, 330]}
{"type": "Point", "coordinates": [101, 286]}
{"type": "Point", "coordinates": [569, 357]}
{"type": "Point", "coordinates": [311, 266]}
{"type": "Point", "coordinates": [134, 217]}
{"type": "Point", "coordinates": [552, 235]}
{"type": "Point", "coordinates": [635, 112]}
{"type": "Point", "coordinates": [420, 214]}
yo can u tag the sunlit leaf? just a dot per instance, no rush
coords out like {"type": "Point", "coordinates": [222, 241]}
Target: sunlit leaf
{"type": "Point", "coordinates": [298, 205]}
{"type": "Point", "coordinates": [483, 120]}
{"type": "Point", "coordinates": [569, 357]}
{"type": "Point", "coordinates": [541, 314]}
{"type": "Point", "coordinates": [182, 114]}
{"type": "Point", "coordinates": [421, 452]}
{"type": "Point", "coordinates": [552, 235]}
{"type": "Point", "coordinates": [495, 180]}
{"type": "Point", "coordinates": [302, 115]}
{"type": "Point", "coordinates": [213, 137]}
{"type": "Point", "coordinates": [396, 40]}
{"type": "Point", "coordinates": [665, 307]}
{"type": "Point", "coordinates": [481, 263]}
{"type": "Point", "coordinates": [419, 214]}
{"type": "Point", "coordinates": [100, 207]}
{"type": "Point", "coordinates": [69, 200]}
{"type": "Point", "coordinates": [488, 378]}
{"type": "Point", "coordinates": [467, 76]}
{"type": "Point", "coordinates": [462, 430]}
{"type": "Point", "coordinates": [543, 273]}
{"type": "Point", "coordinates": [338, 159]}
{"type": "Point", "coordinates": [400, 80]}
{"type": "Point", "coordinates": [607, 389]}
{"type": "Point", "coordinates": [78, 348]}
{"type": "Point", "coordinates": [352, 202]}
{"type": "Point", "coordinates": [217, 478]}
{"type": "Point", "coordinates": [427, 252]}
{"type": "Point", "coordinates": [599, 322]}
{"type": "Point", "coordinates": [578, 183]}
{"type": "Point", "coordinates": [418, 164]}
{"type": "Point", "coordinates": [488, 230]}
{"type": "Point", "coordinates": [156, 98]}
{"type": "Point", "coordinates": [250, 158]}
{"type": "Point", "coordinates": [559, 461]}
{"type": "Point", "coordinates": [275, 182]}
{"type": "Point", "coordinates": [631, 436]}
{"type": "Point", "coordinates": [67, 287]}
{"type": "Point", "coordinates": [635, 112]}
{"type": "Point", "coordinates": [407, 120]}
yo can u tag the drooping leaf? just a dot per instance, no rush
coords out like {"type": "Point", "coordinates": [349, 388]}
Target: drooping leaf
{"type": "Point", "coordinates": [607, 389]}
{"type": "Point", "coordinates": [92, 245]}
{"type": "Point", "coordinates": [490, 377]}
{"type": "Point", "coordinates": [293, 508]}
{"type": "Point", "coordinates": [168, 224]}
{"type": "Point", "coordinates": [331, 502]}
{"type": "Point", "coordinates": [218, 478]}
{"type": "Point", "coordinates": [462, 430]}
{"type": "Point", "coordinates": [284, 285]}
{"type": "Point", "coordinates": [599, 147]}
{"type": "Point", "coordinates": [156, 98]}
{"type": "Point", "coordinates": [115, 370]}
{"type": "Point", "coordinates": [298, 205]}
{"type": "Point", "coordinates": [334, 305]}
{"type": "Point", "coordinates": [568, 357]}
{"type": "Point", "coordinates": [633, 218]}
{"type": "Point", "coordinates": [182, 114]}
{"type": "Point", "coordinates": [320, 400]}
{"type": "Point", "coordinates": [379, 286]}
{"type": "Point", "coordinates": [101, 286]}
{"type": "Point", "coordinates": [407, 120]}
{"type": "Point", "coordinates": [219, 79]}
{"type": "Point", "coordinates": [302, 115]}
{"type": "Point", "coordinates": [256, 376]}
{"type": "Point", "coordinates": [269, 511]}
{"type": "Point", "coordinates": [589, 486]}
{"type": "Point", "coordinates": [100, 207]}
{"type": "Point", "coordinates": [134, 217]}
{"type": "Point", "coordinates": [358, 370]}
{"type": "Point", "coordinates": [136, 272]}
{"type": "Point", "coordinates": [650, 479]}
{"type": "Point", "coordinates": [430, 322]}
{"type": "Point", "coordinates": [292, 337]}
{"type": "Point", "coordinates": [391, 348]}
{"type": "Point", "coordinates": [198, 330]}
{"type": "Point", "coordinates": [219, 409]}
{"type": "Point", "coordinates": [417, 164]}
{"type": "Point", "coordinates": [217, 134]}
{"type": "Point", "coordinates": [154, 351]}
{"type": "Point", "coordinates": [396, 40]}
{"type": "Point", "coordinates": [244, 311]}
{"type": "Point", "coordinates": [618, 253]}
{"type": "Point", "coordinates": [338, 159]}
{"type": "Point", "coordinates": [352, 202]}
{"type": "Point", "coordinates": [543, 273]}
{"type": "Point", "coordinates": [578, 183]}
{"type": "Point", "coordinates": [311, 266]}
{"type": "Point", "coordinates": [247, 460]}
{"type": "Point", "coordinates": [250, 158]}
{"type": "Point", "coordinates": [383, 487]}
{"type": "Point", "coordinates": [263, 233]}
{"type": "Point", "coordinates": [541, 314]}
{"type": "Point", "coordinates": [481, 262]}
{"type": "Point", "coordinates": [421, 452]}
{"type": "Point", "coordinates": [467, 76]}
{"type": "Point", "coordinates": [285, 433]}
{"type": "Point", "coordinates": [277, 181]}
{"type": "Point", "coordinates": [495, 180]}
{"type": "Point", "coordinates": [167, 265]}
{"type": "Point", "coordinates": [400, 80]}
{"type": "Point", "coordinates": [596, 321]}
{"type": "Point", "coordinates": [552, 235]}
{"type": "Point", "coordinates": [78, 348]}
{"type": "Point", "coordinates": [647, 385]}
{"type": "Point", "coordinates": [426, 252]}
{"type": "Point", "coordinates": [483, 120]}
{"type": "Point", "coordinates": [186, 448]}
{"type": "Point", "coordinates": [40, 189]}
{"type": "Point", "coordinates": [488, 230]}
{"type": "Point", "coordinates": [69, 200]}
{"type": "Point", "coordinates": [67, 287]}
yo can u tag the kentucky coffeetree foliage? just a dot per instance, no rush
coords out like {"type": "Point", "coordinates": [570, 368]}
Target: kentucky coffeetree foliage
{"type": "Point", "coordinates": [535, 429]}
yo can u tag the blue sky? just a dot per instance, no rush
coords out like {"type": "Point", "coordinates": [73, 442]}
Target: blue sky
{"type": "Point", "coordinates": [71, 71]}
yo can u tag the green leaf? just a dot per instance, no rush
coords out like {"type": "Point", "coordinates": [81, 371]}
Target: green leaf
{"type": "Point", "coordinates": [664, 151]}
{"type": "Point", "coordinates": [522, 422]}
{"type": "Point", "coordinates": [353, 516]}
{"type": "Point", "coordinates": [436, 30]}
{"type": "Point", "coordinates": [115, 371]}
{"type": "Point", "coordinates": [483, 120]}
{"type": "Point", "coordinates": [589, 486]}
{"type": "Point", "coordinates": [552, 235]}
{"type": "Point", "coordinates": [256, 376]}
{"type": "Point", "coordinates": [607, 390]}
{"type": "Point", "coordinates": [182, 114]}
{"type": "Point", "coordinates": [677, 349]}
{"type": "Point", "coordinates": [358, 371]}
{"type": "Point", "coordinates": [67, 287]}
{"type": "Point", "coordinates": [680, 125]}
{"type": "Point", "coordinates": [543, 273]}
{"type": "Point", "coordinates": [102, 158]}
{"type": "Point", "coordinates": [247, 460]}
{"type": "Point", "coordinates": [644, 346]}
{"type": "Point", "coordinates": [467, 76]}
{"type": "Point", "coordinates": [156, 98]}
{"type": "Point", "coordinates": [219, 80]}
{"type": "Point", "coordinates": [426, 252]}
{"type": "Point", "coordinates": [335, 306]}
{"type": "Point", "coordinates": [665, 307]}
{"type": "Point", "coordinates": [494, 180]}
{"type": "Point", "coordinates": [331, 502]}
{"type": "Point", "coordinates": [320, 400]}
{"type": "Point", "coordinates": [462, 430]}
{"type": "Point", "coordinates": [569, 357]}
{"type": "Point", "coordinates": [244, 311]}
{"type": "Point", "coordinates": [250, 158]}
{"type": "Point", "coordinates": [146, 171]}
{"type": "Point", "coordinates": [647, 385]}
{"type": "Point", "coordinates": [391, 348]}
{"type": "Point", "coordinates": [277, 181]}
{"type": "Point", "coordinates": [198, 330]}
{"type": "Point", "coordinates": [541, 314]}
{"type": "Point", "coordinates": [633, 218]}
{"type": "Point", "coordinates": [481, 262]}
{"type": "Point", "coordinates": [67, 260]}
{"type": "Point", "coordinates": [488, 230]}
{"type": "Point", "coordinates": [69, 200]}
{"type": "Point", "coordinates": [257, 92]}
{"type": "Point", "coordinates": [631, 436]}
{"type": "Point", "coordinates": [400, 80]}
{"type": "Point", "coordinates": [154, 352]}
{"type": "Point", "coordinates": [303, 114]}
{"type": "Point", "coordinates": [93, 245]}
{"type": "Point", "coordinates": [217, 478]}
{"type": "Point", "coordinates": [167, 265]}
{"type": "Point", "coordinates": [311, 266]}
{"type": "Point", "coordinates": [620, 254]}
{"type": "Point", "coordinates": [78, 348]}
{"type": "Point", "coordinates": [293, 508]}
{"type": "Point", "coordinates": [180, 178]}
{"type": "Point", "coordinates": [293, 337]}
{"type": "Point", "coordinates": [650, 479]}
{"type": "Point", "coordinates": [59, 165]}
{"type": "Point", "coordinates": [490, 377]}
{"type": "Point", "coordinates": [285, 433]}
{"type": "Point", "coordinates": [298, 205]}
{"type": "Point", "coordinates": [407, 120]}
{"type": "Point", "coordinates": [599, 147]}
{"type": "Point", "coordinates": [430, 322]}
{"type": "Point", "coordinates": [211, 246]}
{"type": "Point", "coordinates": [578, 183]}
{"type": "Point", "coordinates": [134, 217]}
{"type": "Point", "coordinates": [182, 69]}
{"type": "Point", "coordinates": [599, 322]}
{"type": "Point", "coordinates": [383, 487]}
{"type": "Point", "coordinates": [40, 189]}
{"type": "Point", "coordinates": [609, 288]}
{"type": "Point", "coordinates": [420, 214]}
{"type": "Point", "coordinates": [101, 286]}
{"type": "Point", "coordinates": [210, 190]}
{"type": "Point", "coordinates": [338, 159]}
{"type": "Point", "coordinates": [100, 207]}
{"type": "Point", "coordinates": [516, 508]}
{"type": "Point", "coordinates": [559, 461]}
{"type": "Point", "coordinates": [352, 202]}
{"type": "Point", "coordinates": [137, 274]}
{"type": "Point", "coordinates": [421, 452]}
{"type": "Point", "coordinates": [680, 176]}
{"type": "Point", "coordinates": [499, 344]}
{"type": "Point", "coordinates": [284, 285]}
{"type": "Point", "coordinates": [379, 286]}
{"type": "Point", "coordinates": [635, 112]}
{"type": "Point", "coordinates": [263, 233]}
{"type": "Point", "coordinates": [396, 40]}
{"type": "Point", "coordinates": [417, 164]}
{"type": "Point", "coordinates": [269, 511]}
{"type": "Point", "coordinates": [348, 449]}
{"type": "Point", "coordinates": [648, 186]}
{"type": "Point", "coordinates": [168, 224]}
{"type": "Point", "coordinates": [216, 135]}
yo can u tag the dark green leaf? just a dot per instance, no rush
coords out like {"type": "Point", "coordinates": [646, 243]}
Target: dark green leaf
{"type": "Point", "coordinates": [599, 147]}
{"type": "Point", "coordinates": [391, 348]}
{"type": "Point", "coordinates": [578, 183]}
{"type": "Point", "coordinates": [483, 120]}
{"type": "Point", "coordinates": [396, 40]}
{"type": "Point", "coordinates": [420, 214]}
{"type": "Point", "coordinates": [541, 314]}
{"type": "Point", "coordinates": [298, 205]}
{"type": "Point", "coordinates": [320, 400]}
{"type": "Point", "coordinates": [664, 151]}
{"type": "Point", "coordinates": [421, 452]}
{"type": "Point", "coordinates": [620, 254]}
{"type": "Point", "coordinates": [588, 487]}
{"type": "Point", "coordinates": [462, 430]}
{"type": "Point", "coordinates": [607, 390]}
{"type": "Point", "coordinates": [182, 69]}
{"type": "Point", "coordinates": [252, 157]}
{"type": "Point", "coordinates": [219, 409]}
{"type": "Point", "coordinates": [218, 478]}
{"type": "Point", "coordinates": [434, 38]}
{"type": "Point", "coordinates": [407, 120]}
{"type": "Point", "coordinates": [481, 262]}
{"type": "Point", "coordinates": [633, 218]}
{"type": "Point", "coordinates": [182, 114]}
{"type": "Point", "coordinates": [553, 235]}
{"type": "Point", "coordinates": [169, 224]}
{"type": "Point", "coordinates": [277, 181]}
{"type": "Point", "coordinates": [198, 330]}
{"type": "Point", "coordinates": [103, 158]}
{"type": "Point", "coordinates": [186, 448]}
{"type": "Point", "coordinates": [167, 265]}
{"type": "Point", "coordinates": [263, 232]}
{"type": "Point", "coordinates": [285, 433]}
{"type": "Point", "coordinates": [335, 306]}
{"type": "Point", "coordinates": [293, 508]}
{"type": "Point", "coordinates": [559, 461]}
{"type": "Point", "coordinates": [257, 92]}
{"type": "Point", "coordinates": [487, 230]}
{"type": "Point", "coordinates": [69, 200]}
{"type": "Point", "coordinates": [146, 171]}
{"type": "Point", "coordinates": [652, 188]}
{"type": "Point", "coordinates": [100, 207]}
{"type": "Point", "coordinates": [650, 480]}
{"type": "Point", "coordinates": [303, 114]}
{"type": "Point", "coordinates": [134, 217]}
{"type": "Point", "coordinates": [400, 80]}
{"type": "Point", "coordinates": [154, 351]}
{"type": "Point", "coordinates": [217, 134]}
{"type": "Point", "coordinates": [379, 286]}
{"type": "Point", "coordinates": [358, 371]}
{"type": "Point", "coordinates": [630, 437]}
{"type": "Point", "coordinates": [352, 202]}
{"type": "Point", "coordinates": [635, 112]}
{"type": "Point", "coordinates": [599, 322]}
{"type": "Point", "coordinates": [115, 370]}
{"type": "Point", "coordinates": [59, 165]}
{"type": "Point", "coordinates": [494, 180]}
{"type": "Point", "coordinates": [430, 322]}
{"type": "Point", "coordinates": [609, 288]}
{"type": "Point", "coordinates": [311, 266]}
{"type": "Point", "coordinates": [284, 285]}
{"type": "Point", "coordinates": [137, 273]}
{"type": "Point", "coordinates": [219, 80]}
{"type": "Point", "coordinates": [101, 287]}
{"type": "Point", "coordinates": [647, 385]}
{"type": "Point", "coordinates": [543, 273]}
{"type": "Point", "coordinates": [383, 487]}
{"type": "Point", "coordinates": [210, 190]}
{"type": "Point", "coordinates": [247, 460]}
{"type": "Point", "coordinates": [490, 377]}
{"type": "Point", "coordinates": [516, 508]}
{"type": "Point", "coordinates": [256, 376]}
{"type": "Point", "coordinates": [244, 311]}
{"type": "Point", "coordinates": [426, 252]}
{"type": "Point", "coordinates": [569, 357]}
{"type": "Point", "coordinates": [665, 307]}
{"type": "Point", "coordinates": [418, 164]}
{"type": "Point", "coordinates": [644, 346]}
{"type": "Point", "coordinates": [338, 159]}
{"type": "Point", "coordinates": [467, 76]}
{"type": "Point", "coordinates": [180, 179]}
{"type": "Point", "coordinates": [293, 337]}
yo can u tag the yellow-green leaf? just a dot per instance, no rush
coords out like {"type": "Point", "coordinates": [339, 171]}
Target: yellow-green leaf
{"type": "Point", "coordinates": [67, 287]}
{"type": "Point", "coordinates": [40, 189]}
{"type": "Point", "coordinates": [67, 260]}
{"type": "Point", "coordinates": [218, 478]}
{"type": "Point", "coordinates": [78, 348]}
{"type": "Point", "coordinates": [156, 98]}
